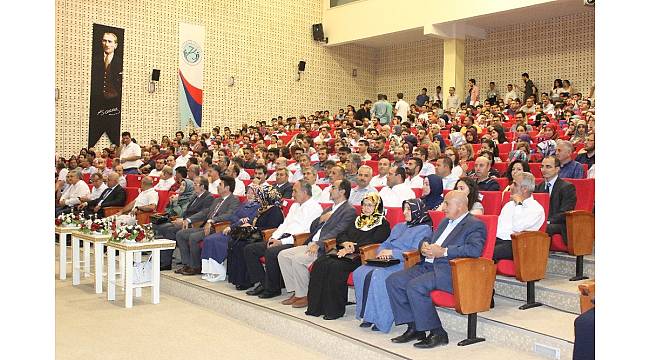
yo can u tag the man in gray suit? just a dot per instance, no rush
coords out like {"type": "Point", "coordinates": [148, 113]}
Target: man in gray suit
{"type": "Point", "coordinates": [189, 237]}
{"type": "Point", "coordinates": [294, 262]}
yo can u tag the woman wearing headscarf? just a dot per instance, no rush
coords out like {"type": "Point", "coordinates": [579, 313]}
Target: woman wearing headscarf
{"type": "Point", "coordinates": [432, 191]}
{"type": "Point", "coordinates": [215, 246]}
{"type": "Point", "coordinates": [269, 215]}
{"type": "Point", "coordinates": [178, 203]}
{"type": "Point", "coordinates": [328, 289]}
{"type": "Point", "coordinates": [370, 281]}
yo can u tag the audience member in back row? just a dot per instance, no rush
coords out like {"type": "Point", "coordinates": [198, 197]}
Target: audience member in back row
{"type": "Point", "coordinates": [364, 175]}
{"type": "Point", "coordinates": [294, 262]}
{"type": "Point", "coordinates": [369, 281]}
{"type": "Point", "coordinates": [562, 196]}
{"type": "Point", "coordinates": [521, 213]}
{"type": "Point", "coordinates": [482, 174]}
{"type": "Point", "coordinates": [588, 154]}
{"type": "Point", "coordinates": [443, 170]}
{"type": "Point", "coordinates": [268, 278]}
{"type": "Point", "coordinates": [328, 288]}
{"type": "Point", "coordinates": [396, 190]}
{"type": "Point", "coordinates": [460, 235]}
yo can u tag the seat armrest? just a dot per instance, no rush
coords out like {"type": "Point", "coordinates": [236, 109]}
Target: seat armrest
{"type": "Point", "coordinates": [330, 244]}
{"type": "Point", "coordinates": [411, 258]}
{"type": "Point", "coordinates": [472, 281]}
{"type": "Point", "coordinates": [144, 217]}
{"type": "Point", "coordinates": [530, 254]}
{"type": "Point", "coordinates": [368, 252]}
{"type": "Point", "coordinates": [218, 227]}
{"type": "Point", "coordinates": [300, 239]}
{"type": "Point", "coordinates": [587, 295]}
{"type": "Point", "coordinates": [266, 234]}
{"type": "Point", "coordinates": [581, 232]}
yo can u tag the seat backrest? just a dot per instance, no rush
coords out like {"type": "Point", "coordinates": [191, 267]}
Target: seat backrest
{"type": "Point", "coordinates": [163, 200]}
{"type": "Point", "coordinates": [501, 167]}
{"type": "Point", "coordinates": [86, 178]}
{"type": "Point", "coordinates": [323, 186]}
{"type": "Point", "coordinates": [491, 202]}
{"type": "Point", "coordinates": [490, 222]}
{"type": "Point", "coordinates": [247, 182]}
{"type": "Point", "coordinates": [242, 198]}
{"type": "Point", "coordinates": [286, 204]}
{"type": "Point", "coordinates": [133, 180]}
{"type": "Point", "coordinates": [585, 193]}
{"type": "Point", "coordinates": [477, 148]}
{"type": "Point", "coordinates": [542, 198]}
{"type": "Point", "coordinates": [374, 164]}
{"type": "Point", "coordinates": [379, 188]}
{"type": "Point", "coordinates": [504, 148]}
{"type": "Point", "coordinates": [250, 172]}
{"type": "Point", "coordinates": [357, 209]}
{"type": "Point", "coordinates": [417, 192]}
{"type": "Point", "coordinates": [503, 182]}
{"type": "Point", "coordinates": [155, 179]}
{"type": "Point", "coordinates": [131, 193]}
{"type": "Point", "coordinates": [436, 218]}
{"type": "Point", "coordinates": [536, 169]}
{"type": "Point", "coordinates": [394, 215]}
{"type": "Point", "coordinates": [325, 205]}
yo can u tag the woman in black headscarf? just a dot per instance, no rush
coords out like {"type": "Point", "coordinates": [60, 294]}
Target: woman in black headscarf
{"type": "Point", "coordinates": [328, 290]}
{"type": "Point", "coordinates": [432, 191]}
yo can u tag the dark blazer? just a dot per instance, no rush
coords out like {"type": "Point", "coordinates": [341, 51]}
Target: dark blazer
{"type": "Point", "coordinates": [202, 202]}
{"type": "Point", "coordinates": [117, 197]}
{"type": "Point", "coordinates": [230, 204]}
{"type": "Point", "coordinates": [562, 199]}
{"type": "Point", "coordinates": [466, 240]}
{"type": "Point", "coordinates": [285, 190]}
{"type": "Point", "coordinates": [336, 224]}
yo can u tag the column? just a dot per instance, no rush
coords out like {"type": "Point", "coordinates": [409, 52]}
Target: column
{"type": "Point", "coordinates": [453, 70]}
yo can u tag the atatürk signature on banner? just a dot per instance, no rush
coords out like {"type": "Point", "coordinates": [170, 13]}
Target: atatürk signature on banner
{"type": "Point", "coordinates": [108, 112]}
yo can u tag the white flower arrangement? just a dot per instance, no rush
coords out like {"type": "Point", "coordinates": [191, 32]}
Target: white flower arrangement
{"type": "Point", "coordinates": [131, 233]}
{"type": "Point", "coordinates": [68, 220]}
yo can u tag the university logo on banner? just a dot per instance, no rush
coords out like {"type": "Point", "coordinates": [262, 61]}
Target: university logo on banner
{"type": "Point", "coordinates": [106, 84]}
{"type": "Point", "coordinates": [190, 74]}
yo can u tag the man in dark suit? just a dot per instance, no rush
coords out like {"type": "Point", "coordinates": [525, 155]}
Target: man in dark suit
{"type": "Point", "coordinates": [459, 235]}
{"type": "Point", "coordinates": [562, 196]}
{"type": "Point", "coordinates": [188, 238]}
{"type": "Point", "coordinates": [282, 184]}
{"type": "Point", "coordinates": [294, 263]}
{"type": "Point", "coordinates": [202, 200]}
{"type": "Point", "coordinates": [114, 195]}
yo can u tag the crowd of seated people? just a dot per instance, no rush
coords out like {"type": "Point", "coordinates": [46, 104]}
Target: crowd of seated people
{"type": "Point", "coordinates": [238, 201]}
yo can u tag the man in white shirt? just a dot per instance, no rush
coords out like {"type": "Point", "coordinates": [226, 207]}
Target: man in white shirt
{"type": "Point", "coordinates": [336, 173]}
{"type": "Point", "coordinates": [240, 188]}
{"type": "Point", "coordinates": [311, 176]}
{"type": "Point", "coordinates": [157, 171]}
{"type": "Point", "coordinates": [130, 154]}
{"type": "Point", "coordinates": [364, 174]}
{"type": "Point", "coordinates": [301, 214]}
{"type": "Point", "coordinates": [521, 213]}
{"type": "Point", "coordinates": [453, 102]}
{"type": "Point", "coordinates": [363, 150]}
{"type": "Point", "coordinates": [214, 177]}
{"type": "Point", "coordinates": [72, 195]}
{"type": "Point", "coordinates": [98, 187]}
{"type": "Point", "coordinates": [303, 163]}
{"type": "Point", "coordinates": [528, 107]}
{"type": "Point", "coordinates": [402, 107]}
{"type": "Point", "coordinates": [382, 168]}
{"type": "Point", "coordinates": [413, 168]}
{"type": "Point", "coordinates": [86, 168]}
{"type": "Point", "coordinates": [444, 164]}
{"type": "Point", "coordinates": [147, 201]}
{"type": "Point", "coordinates": [166, 179]}
{"type": "Point", "coordinates": [510, 95]}
{"type": "Point", "coordinates": [396, 190]}
{"type": "Point", "coordinates": [294, 262]}
{"type": "Point", "coordinates": [281, 163]}
{"type": "Point", "coordinates": [183, 158]}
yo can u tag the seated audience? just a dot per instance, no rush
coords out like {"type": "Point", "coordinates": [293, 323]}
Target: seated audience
{"type": "Point", "coordinates": [146, 202]}
{"type": "Point", "coordinates": [396, 191]}
{"type": "Point", "coordinates": [562, 196]}
{"type": "Point", "coordinates": [364, 174]}
{"type": "Point", "coordinates": [72, 195]}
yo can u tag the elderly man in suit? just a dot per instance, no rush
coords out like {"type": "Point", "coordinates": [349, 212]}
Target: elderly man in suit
{"type": "Point", "coordinates": [282, 183]}
{"type": "Point", "coordinates": [202, 200]}
{"type": "Point", "coordinates": [114, 195]}
{"type": "Point", "coordinates": [459, 235]}
{"type": "Point", "coordinates": [188, 238]}
{"type": "Point", "coordinates": [295, 262]}
{"type": "Point", "coordinates": [562, 196]}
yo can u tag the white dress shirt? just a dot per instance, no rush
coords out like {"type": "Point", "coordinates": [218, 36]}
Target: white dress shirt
{"type": "Point", "coordinates": [529, 216]}
{"type": "Point", "coordinates": [122, 181]}
{"type": "Point", "coordinates": [402, 108]}
{"type": "Point", "coordinates": [155, 172]}
{"type": "Point", "coordinates": [298, 220]}
{"type": "Point", "coordinates": [130, 150]}
{"type": "Point", "coordinates": [182, 161]}
{"type": "Point", "coordinates": [415, 182]}
{"type": "Point", "coordinates": [240, 188]}
{"type": "Point", "coordinates": [213, 187]}
{"type": "Point", "coordinates": [427, 169]}
{"type": "Point", "coordinates": [72, 194]}
{"type": "Point", "coordinates": [316, 236]}
{"type": "Point", "coordinates": [316, 191]}
{"type": "Point", "coordinates": [395, 196]}
{"type": "Point", "coordinates": [445, 233]}
{"type": "Point", "coordinates": [378, 180]}
{"type": "Point", "coordinates": [357, 194]}
{"type": "Point", "coordinates": [449, 181]}
{"type": "Point", "coordinates": [147, 197]}
{"type": "Point", "coordinates": [96, 192]}
{"type": "Point", "coordinates": [243, 175]}
{"type": "Point", "coordinates": [165, 184]}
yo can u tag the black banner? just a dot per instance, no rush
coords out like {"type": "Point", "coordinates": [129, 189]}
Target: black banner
{"type": "Point", "coordinates": [106, 84]}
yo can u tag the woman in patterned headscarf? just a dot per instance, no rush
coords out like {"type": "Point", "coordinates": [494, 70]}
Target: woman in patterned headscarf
{"type": "Point", "coordinates": [269, 215]}
{"type": "Point", "coordinates": [370, 281]}
{"type": "Point", "coordinates": [328, 289]}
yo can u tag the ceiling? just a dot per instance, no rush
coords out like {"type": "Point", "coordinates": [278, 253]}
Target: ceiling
{"type": "Point", "coordinates": [487, 22]}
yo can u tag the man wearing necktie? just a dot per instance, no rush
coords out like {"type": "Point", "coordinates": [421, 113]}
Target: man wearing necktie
{"type": "Point", "coordinates": [562, 196]}
{"type": "Point", "coordinates": [114, 195]}
{"type": "Point", "coordinates": [459, 235]}
{"type": "Point", "coordinates": [188, 238]}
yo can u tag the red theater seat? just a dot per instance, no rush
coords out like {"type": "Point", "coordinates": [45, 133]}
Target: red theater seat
{"type": "Point", "coordinates": [394, 215]}
{"type": "Point", "coordinates": [286, 204]}
{"type": "Point", "coordinates": [585, 193]}
{"type": "Point", "coordinates": [374, 164]}
{"type": "Point", "coordinates": [163, 200]}
{"type": "Point", "coordinates": [417, 192]}
{"type": "Point", "coordinates": [501, 167]}
{"type": "Point", "coordinates": [491, 202]}
{"type": "Point", "coordinates": [133, 180]}
{"type": "Point", "coordinates": [131, 193]}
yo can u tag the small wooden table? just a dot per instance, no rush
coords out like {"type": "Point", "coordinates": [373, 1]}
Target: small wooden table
{"type": "Point", "coordinates": [63, 232]}
{"type": "Point", "coordinates": [98, 240]}
{"type": "Point", "coordinates": [130, 249]}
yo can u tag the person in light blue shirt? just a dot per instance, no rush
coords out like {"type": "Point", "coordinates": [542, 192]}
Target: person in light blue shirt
{"type": "Point", "coordinates": [382, 110]}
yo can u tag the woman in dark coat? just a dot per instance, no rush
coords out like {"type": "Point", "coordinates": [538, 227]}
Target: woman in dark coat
{"type": "Point", "coordinates": [328, 289]}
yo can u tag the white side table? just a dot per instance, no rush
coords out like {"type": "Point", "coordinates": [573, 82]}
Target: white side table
{"type": "Point", "coordinates": [131, 250]}
{"type": "Point", "coordinates": [63, 232]}
{"type": "Point", "coordinates": [98, 240]}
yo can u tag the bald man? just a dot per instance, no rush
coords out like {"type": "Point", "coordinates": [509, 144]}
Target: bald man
{"type": "Point", "coordinates": [114, 195]}
{"type": "Point", "coordinates": [147, 201]}
{"type": "Point", "coordinates": [459, 235]}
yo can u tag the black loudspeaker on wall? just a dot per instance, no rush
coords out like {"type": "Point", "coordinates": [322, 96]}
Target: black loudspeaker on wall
{"type": "Point", "coordinates": [301, 65]}
{"type": "Point", "coordinates": [155, 75]}
{"type": "Point", "coordinates": [317, 30]}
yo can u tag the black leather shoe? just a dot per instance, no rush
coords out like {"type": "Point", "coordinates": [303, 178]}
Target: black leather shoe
{"type": "Point", "coordinates": [243, 287]}
{"type": "Point", "coordinates": [365, 324]}
{"type": "Point", "coordinates": [269, 294]}
{"type": "Point", "coordinates": [180, 270]}
{"type": "Point", "coordinates": [409, 335]}
{"type": "Point", "coordinates": [432, 340]}
{"type": "Point", "coordinates": [330, 317]}
{"type": "Point", "coordinates": [256, 290]}
{"type": "Point", "coordinates": [374, 328]}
